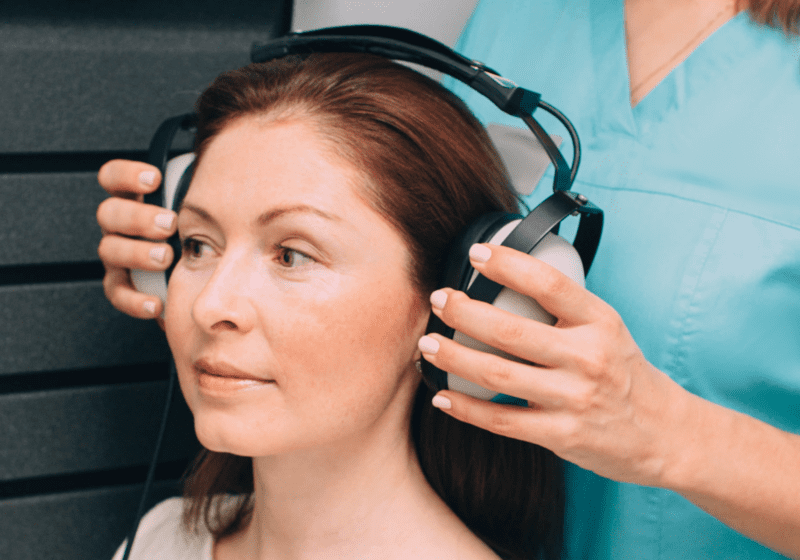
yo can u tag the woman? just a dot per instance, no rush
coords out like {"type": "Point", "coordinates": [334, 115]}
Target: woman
{"type": "Point", "coordinates": [326, 191]}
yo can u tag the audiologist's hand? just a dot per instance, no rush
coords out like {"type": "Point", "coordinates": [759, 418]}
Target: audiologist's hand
{"type": "Point", "coordinates": [593, 399]}
{"type": "Point", "coordinates": [124, 216]}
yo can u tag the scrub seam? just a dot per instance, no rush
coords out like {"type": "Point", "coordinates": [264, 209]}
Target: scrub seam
{"type": "Point", "coordinates": [686, 301]}
{"type": "Point", "coordinates": [687, 199]}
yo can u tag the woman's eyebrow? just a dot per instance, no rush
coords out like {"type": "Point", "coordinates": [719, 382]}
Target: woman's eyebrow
{"type": "Point", "coordinates": [203, 214]}
{"type": "Point", "coordinates": [271, 215]}
{"type": "Point", "coordinates": [266, 217]}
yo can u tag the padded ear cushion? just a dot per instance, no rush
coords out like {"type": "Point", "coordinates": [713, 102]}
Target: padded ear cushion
{"type": "Point", "coordinates": [177, 176]}
{"type": "Point", "coordinates": [175, 204]}
{"type": "Point", "coordinates": [456, 273]}
{"type": "Point", "coordinates": [457, 270]}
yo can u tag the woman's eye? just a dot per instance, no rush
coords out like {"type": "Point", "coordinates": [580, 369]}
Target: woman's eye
{"type": "Point", "coordinates": [291, 258]}
{"type": "Point", "coordinates": [193, 248]}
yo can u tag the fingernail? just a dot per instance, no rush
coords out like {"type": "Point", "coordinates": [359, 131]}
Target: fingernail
{"type": "Point", "coordinates": [164, 220]}
{"type": "Point", "coordinates": [480, 253]}
{"type": "Point", "coordinates": [147, 177]}
{"type": "Point", "coordinates": [438, 299]}
{"type": "Point", "coordinates": [158, 254]}
{"type": "Point", "coordinates": [441, 402]}
{"type": "Point", "coordinates": [428, 345]}
{"type": "Point", "coordinates": [150, 307]}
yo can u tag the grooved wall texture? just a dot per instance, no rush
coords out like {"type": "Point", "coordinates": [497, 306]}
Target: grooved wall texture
{"type": "Point", "coordinates": [81, 385]}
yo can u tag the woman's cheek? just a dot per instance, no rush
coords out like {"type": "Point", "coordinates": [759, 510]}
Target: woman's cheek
{"type": "Point", "coordinates": [177, 310]}
{"type": "Point", "coordinates": [179, 326]}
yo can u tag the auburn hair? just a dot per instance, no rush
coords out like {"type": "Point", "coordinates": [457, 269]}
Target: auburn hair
{"type": "Point", "coordinates": [429, 169]}
{"type": "Point", "coordinates": [775, 13]}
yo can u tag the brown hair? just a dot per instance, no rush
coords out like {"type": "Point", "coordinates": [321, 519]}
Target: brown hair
{"type": "Point", "coordinates": [776, 13]}
{"type": "Point", "coordinates": [429, 169]}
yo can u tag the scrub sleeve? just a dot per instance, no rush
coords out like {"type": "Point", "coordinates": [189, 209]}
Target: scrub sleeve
{"type": "Point", "coordinates": [700, 184]}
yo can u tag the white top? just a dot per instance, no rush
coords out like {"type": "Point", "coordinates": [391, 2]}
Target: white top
{"type": "Point", "coordinates": [161, 536]}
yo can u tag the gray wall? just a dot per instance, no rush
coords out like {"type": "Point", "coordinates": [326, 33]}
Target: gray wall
{"type": "Point", "coordinates": [81, 385]}
{"type": "Point", "coordinates": [442, 20]}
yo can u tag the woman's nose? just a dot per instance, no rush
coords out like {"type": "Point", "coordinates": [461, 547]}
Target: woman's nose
{"type": "Point", "coordinates": [225, 302]}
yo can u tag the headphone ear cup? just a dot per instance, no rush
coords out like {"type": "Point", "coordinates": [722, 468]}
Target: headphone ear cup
{"type": "Point", "coordinates": [176, 181]}
{"type": "Point", "coordinates": [552, 249]}
{"type": "Point", "coordinates": [173, 198]}
{"type": "Point", "coordinates": [456, 273]}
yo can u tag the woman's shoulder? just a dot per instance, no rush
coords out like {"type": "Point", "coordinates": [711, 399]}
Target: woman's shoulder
{"type": "Point", "coordinates": [162, 535]}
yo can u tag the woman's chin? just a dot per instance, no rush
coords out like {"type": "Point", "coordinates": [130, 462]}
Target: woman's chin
{"type": "Point", "coordinates": [225, 433]}
{"type": "Point", "coordinates": [217, 435]}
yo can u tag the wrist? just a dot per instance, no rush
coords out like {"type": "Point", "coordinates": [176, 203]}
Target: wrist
{"type": "Point", "coordinates": [689, 445]}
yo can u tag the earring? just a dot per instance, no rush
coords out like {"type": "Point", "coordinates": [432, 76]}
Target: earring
{"type": "Point", "coordinates": [418, 365]}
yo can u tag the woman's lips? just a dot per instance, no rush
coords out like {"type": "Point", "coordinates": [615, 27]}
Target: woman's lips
{"type": "Point", "coordinates": [217, 377]}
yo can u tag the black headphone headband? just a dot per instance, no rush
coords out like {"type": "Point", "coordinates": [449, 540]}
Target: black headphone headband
{"type": "Point", "coordinates": [402, 44]}
{"type": "Point", "coordinates": [405, 45]}
{"type": "Point", "coordinates": [409, 46]}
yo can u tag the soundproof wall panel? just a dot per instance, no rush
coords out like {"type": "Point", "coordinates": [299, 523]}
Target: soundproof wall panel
{"type": "Point", "coordinates": [67, 326]}
{"type": "Point", "coordinates": [89, 429]}
{"type": "Point", "coordinates": [84, 524]}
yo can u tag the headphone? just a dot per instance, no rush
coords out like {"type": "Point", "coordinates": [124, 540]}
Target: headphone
{"type": "Point", "coordinates": [535, 234]}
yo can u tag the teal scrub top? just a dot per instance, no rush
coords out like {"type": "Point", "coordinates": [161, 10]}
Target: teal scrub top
{"type": "Point", "coordinates": [701, 249]}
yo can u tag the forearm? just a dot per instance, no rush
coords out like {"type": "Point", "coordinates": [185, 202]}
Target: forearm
{"type": "Point", "coordinates": [742, 471]}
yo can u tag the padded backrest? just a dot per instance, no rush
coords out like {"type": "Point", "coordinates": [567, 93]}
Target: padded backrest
{"type": "Point", "coordinates": [81, 385]}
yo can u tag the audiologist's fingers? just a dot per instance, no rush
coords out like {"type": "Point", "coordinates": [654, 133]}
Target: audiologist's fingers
{"type": "Point", "coordinates": [516, 335]}
{"type": "Point", "coordinates": [135, 219]}
{"type": "Point", "coordinates": [553, 290]}
{"type": "Point", "coordinates": [526, 381]}
{"type": "Point", "coordinates": [128, 179]}
{"type": "Point", "coordinates": [123, 296]}
{"type": "Point", "coordinates": [518, 422]}
{"type": "Point", "coordinates": [122, 252]}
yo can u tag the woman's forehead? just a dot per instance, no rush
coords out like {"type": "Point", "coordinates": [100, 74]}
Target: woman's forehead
{"type": "Point", "coordinates": [254, 172]}
{"type": "Point", "coordinates": [286, 162]}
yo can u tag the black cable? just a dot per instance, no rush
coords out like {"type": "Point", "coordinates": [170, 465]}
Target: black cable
{"type": "Point", "coordinates": [173, 375]}
{"type": "Point", "coordinates": [576, 143]}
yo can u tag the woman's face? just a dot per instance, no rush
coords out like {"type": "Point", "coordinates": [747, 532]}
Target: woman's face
{"type": "Point", "coordinates": [291, 314]}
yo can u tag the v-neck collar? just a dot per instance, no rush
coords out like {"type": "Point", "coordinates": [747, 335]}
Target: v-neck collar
{"type": "Point", "coordinates": [611, 67]}
{"type": "Point", "coordinates": [609, 51]}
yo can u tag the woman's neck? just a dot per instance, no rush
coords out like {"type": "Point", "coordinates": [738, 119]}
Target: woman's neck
{"type": "Point", "coordinates": [660, 34]}
{"type": "Point", "coordinates": [366, 499]}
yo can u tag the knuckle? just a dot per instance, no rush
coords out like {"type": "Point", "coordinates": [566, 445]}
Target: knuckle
{"type": "Point", "coordinates": [572, 435]}
{"type": "Point", "coordinates": [498, 375]}
{"type": "Point", "coordinates": [508, 332]}
{"type": "Point", "coordinates": [613, 324]}
{"type": "Point", "coordinates": [595, 361]}
{"type": "Point", "coordinates": [594, 365]}
{"type": "Point", "coordinates": [498, 422]}
{"type": "Point", "coordinates": [583, 398]}
{"type": "Point", "coordinates": [554, 283]}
